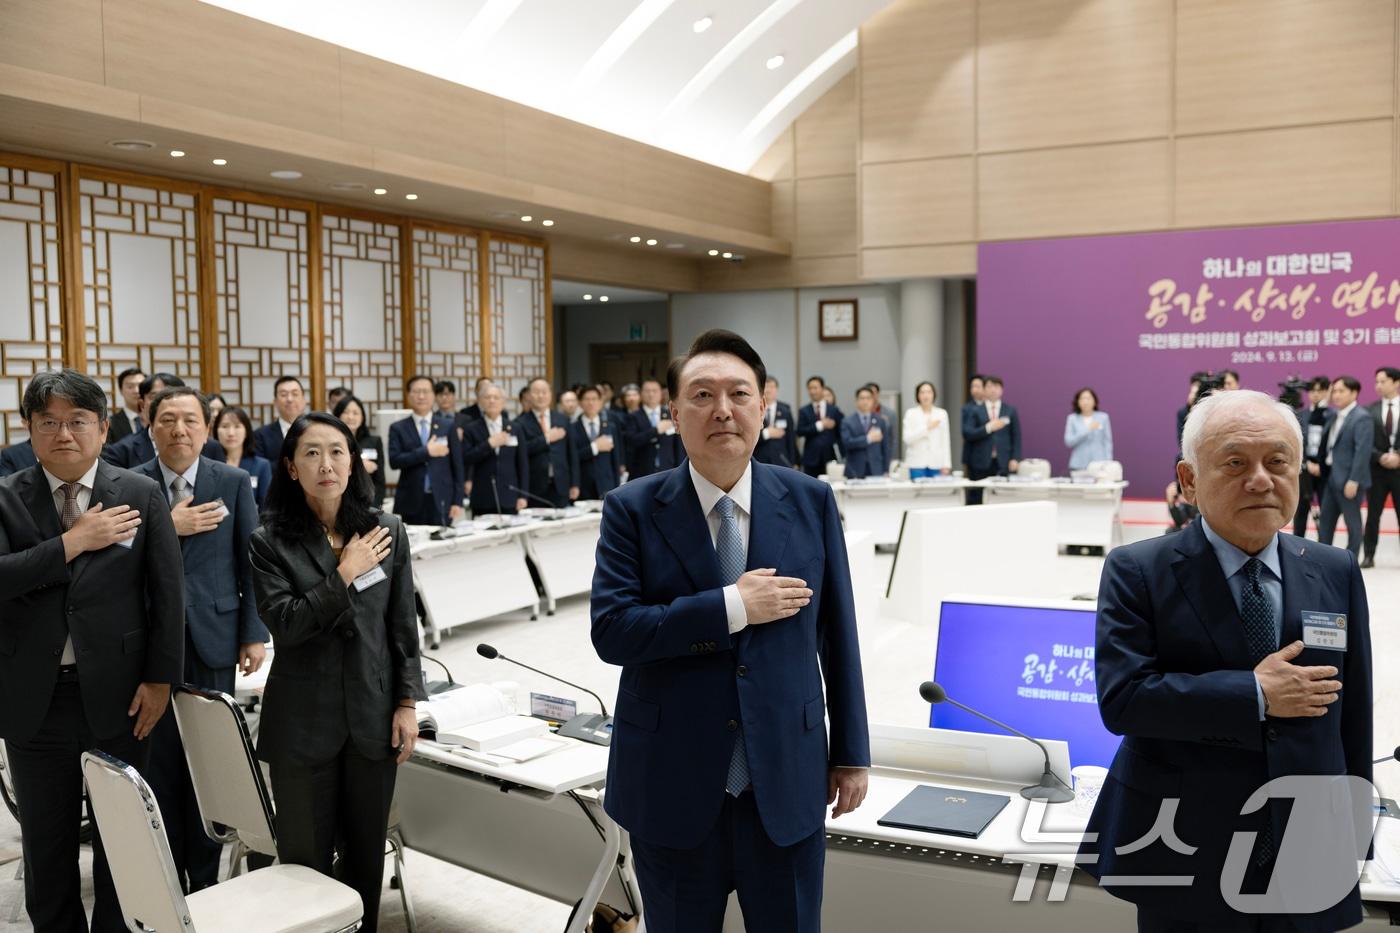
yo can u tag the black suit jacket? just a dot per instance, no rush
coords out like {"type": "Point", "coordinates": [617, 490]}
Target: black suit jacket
{"type": "Point", "coordinates": [779, 451]}
{"type": "Point", "coordinates": [1380, 441]}
{"type": "Point", "coordinates": [344, 657]}
{"type": "Point", "coordinates": [819, 447]}
{"type": "Point", "coordinates": [408, 455]}
{"type": "Point", "coordinates": [17, 457]}
{"type": "Point", "coordinates": [123, 606]}
{"type": "Point", "coordinates": [375, 443]}
{"type": "Point", "coordinates": [560, 456]}
{"type": "Point", "coordinates": [597, 473]}
{"type": "Point", "coordinates": [219, 610]}
{"type": "Point", "coordinates": [135, 449]}
{"type": "Point", "coordinates": [978, 444]}
{"type": "Point", "coordinates": [493, 471]}
{"type": "Point", "coordinates": [267, 442]}
{"type": "Point", "coordinates": [649, 451]}
{"type": "Point", "coordinates": [119, 426]}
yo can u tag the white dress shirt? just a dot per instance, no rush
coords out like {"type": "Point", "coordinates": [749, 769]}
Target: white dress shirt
{"type": "Point", "coordinates": [926, 449]}
{"type": "Point", "coordinates": [169, 477]}
{"type": "Point", "coordinates": [286, 426]}
{"type": "Point", "coordinates": [592, 428]}
{"type": "Point", "coordinates": [820, 409]}
{"type": "Point", "coordinates": [742, 494]}
{"type": "Point", "coordinates": [84, 500]}
{"type": "Point", "coordinates": [133, 417]}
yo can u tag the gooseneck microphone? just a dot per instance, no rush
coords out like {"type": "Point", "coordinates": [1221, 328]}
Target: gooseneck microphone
{"type": "Point", "coordinates": [1393, 756]}
{"type": "Point", "coordinates": [491, 654]}
{"type": "Point", "coordinates": [530, 495]}
{"type": "Point", "coordinates": [1050, 788]}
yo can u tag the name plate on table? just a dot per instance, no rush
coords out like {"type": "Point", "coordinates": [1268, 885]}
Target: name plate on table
{"type": "Point", "coordinates": [951, 811]}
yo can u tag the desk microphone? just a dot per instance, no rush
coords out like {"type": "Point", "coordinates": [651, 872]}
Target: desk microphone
{"type": "Point", "coordinates": [491, 654]}
{"type": "Point", "coordinates": [547, 504]}
{"type": "Point", "coordinates": [1393, 756]}
{"type": "Point", "coordinates": [587, 727]}
{"type": "Point", "coordinates": [1050, 788]}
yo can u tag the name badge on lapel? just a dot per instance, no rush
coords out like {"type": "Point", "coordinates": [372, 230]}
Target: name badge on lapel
{"type": "Point", "coordinates": [369, 578]}
{"type": "Point", "coordinates": [1325, 630]}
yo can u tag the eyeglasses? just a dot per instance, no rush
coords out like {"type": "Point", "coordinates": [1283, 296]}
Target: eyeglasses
{"type": "Point", "coordinates": [48, 426]}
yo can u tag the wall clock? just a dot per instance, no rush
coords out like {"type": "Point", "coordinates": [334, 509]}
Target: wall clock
{"type": "Point", "coordinates": [839, 320]}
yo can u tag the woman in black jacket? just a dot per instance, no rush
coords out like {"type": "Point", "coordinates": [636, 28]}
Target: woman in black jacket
{"type": "Point", "coordinates": [352, 411]}
{"type": "Point", "coordinates": [332, 578]}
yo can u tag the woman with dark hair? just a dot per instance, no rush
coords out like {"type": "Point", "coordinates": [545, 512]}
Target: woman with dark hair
{"type": "Point", "coordinates": [1088, 433]}
{"type": "Point", "coordinates": [234, 433]}
{"type": "Point", "coordinates": [351, 411]}
{"type": "Point", "coordinates": [927, 442]}
{"type": "Point", "coordinates": [216, 403]}
{"type": "Point", "coordinates": [333, 583]}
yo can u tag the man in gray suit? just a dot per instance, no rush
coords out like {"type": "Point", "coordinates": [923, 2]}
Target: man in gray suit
{"type": "Point", "coordinates": [212, 507]}
{"type": "Point", "coordinates": [91, 634]}
{"type": "Point", "coordinates": [1349, 434]}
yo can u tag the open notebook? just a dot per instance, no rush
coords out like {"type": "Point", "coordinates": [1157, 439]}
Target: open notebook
{"type": "Point", "coordinates": [480, 723]}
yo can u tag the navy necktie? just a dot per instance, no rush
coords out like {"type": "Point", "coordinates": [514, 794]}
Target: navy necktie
{"type": "Point", "coordinates": [1259, 632]}
{"type": "Point", "coordinates": [729, 545]}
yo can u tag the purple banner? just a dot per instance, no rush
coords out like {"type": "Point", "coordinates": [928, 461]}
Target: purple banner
{"type": "Point", "coordinates": [1133, 316]}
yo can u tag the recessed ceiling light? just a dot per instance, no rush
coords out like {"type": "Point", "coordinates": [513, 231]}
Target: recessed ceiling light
{"type": "Point", "coordinates": [526, 218]}
{"type": "Point", "coordinates": [651, 242]}
{"type": "Point", "coordinates": [286, 174]}
{"type": "Point", "coordinates": [410, 197]}
{"type": "Point", "coordinates": [381, 190]}
{"type": "Point", "coordinates": [132, 145]}
{"type": "Point", "coordinates": [775, 62]}
{"type": "Point", "coordinates": [177, 153]}
{"type": "Point", "coordinates": [221, 161]}
{"type": "Point", "coordinates": [727, 255]}
{"type": "Point", "coordinates": [602, 297]}
{"type": "Point", "coordinates": [635, 239]}
{"type": "Point", "coordinates": [714, 252]}
{"type": "Point", "coordinates": [703, 23]}
{"type": "Point", "coordinates": [547, 223]}
{"type": "Point", "coordinates": [587, 297]}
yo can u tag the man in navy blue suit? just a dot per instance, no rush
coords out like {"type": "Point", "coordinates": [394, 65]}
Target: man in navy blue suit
{"type": "Point", "coordinates": [553, 460]}
{"type": "Point", "coordinates": [778, 442]}
{"type": "Point", "coordinates": [289, 398]}
{"type": "Point", "coordinates": [212, 507]}
{"type": "Point", "coordinates": [819, 426]}
{"type": "Point", "coordinates": [1220, 660]}
{"type": "Point", "coordinates": [650, 435]}
{"type": "Point", "coordinates": [599, 446]}
{"type": "Point", "coordinates": [991, 437]}
{"type": "Point", "coordinates": [494, 457]}
{"type": "Point", "coordinates": [17, 457]}
{"type": "Point", "coordinates": [136, 448]}
{"type": "Point", "coordinates": [425, 450]}
{"type": "Point", "coordinates": [1348, 439]}
{"type": "Point", "coordinates": [720, 586]}
{"type": "Point", "coordinates": [863, 436]}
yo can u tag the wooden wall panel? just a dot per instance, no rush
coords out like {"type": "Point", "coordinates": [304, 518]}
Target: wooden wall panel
{"type": "Point", "coordinates": [519, 282]}
{"type": "Point", "coordinates": [928, 201]}
{"type": "Point", "coordinates": [1061, 72]}
{"type": "Point", "coordinates": [252, 70]}
{"type": "Point", "coordinates": [908, 262]}
{"type": "Point", "coordinates": [785, 209]}
{"type": "Point", "coordinates": [916, 80]}
{"type": "Point", "coordinates": [826, 216]}
{"type": "Point", "coordinates": [1255, 63]}
{"type": "Point", "coordinates": [28, 29]}
{"type": "Point", "coordinates": [826, 133]}
{"type": "Point", "coordinates": [1081, 190]}
{"type": "Point", "coordinates": [31, 262]}
{"type": "Point", "coordinates": [580, 260]}
{"type": "Point", "coordinates": [777, 163]}
{"type": "Point", "coordinates": [140, 277]}
{"type": "Point", "coordinates": [1296, 174]}
{"type": "Point", "coordinates": [263, 298]}
{"type": "Point", "coordinates": [446, 312]}
{"type": "Point", "coordinates": [362, 265]}
{"type": "Point", "coordinates": [825, 270]}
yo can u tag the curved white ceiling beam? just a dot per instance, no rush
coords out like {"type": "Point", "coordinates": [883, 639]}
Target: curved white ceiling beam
{"type": "Point", "coordinates": [726, 56]}
{"type": "Point", "coordinates": [616, 45]}
{"type": "Point", "coordinates": [784, 98]}
{"type": "Point", "coordinates": [485, 24]}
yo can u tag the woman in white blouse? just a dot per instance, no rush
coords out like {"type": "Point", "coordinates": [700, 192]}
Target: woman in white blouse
{"type": "Point", "coordinates": [927, 443]}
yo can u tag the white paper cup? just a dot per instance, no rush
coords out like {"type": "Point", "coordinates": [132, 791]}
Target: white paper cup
{"type": "Point", "coordinates": [1088, 781]}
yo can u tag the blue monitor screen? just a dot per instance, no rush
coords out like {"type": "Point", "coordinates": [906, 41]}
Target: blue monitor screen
{"type": "Point", "coordinates": [1031, 667]}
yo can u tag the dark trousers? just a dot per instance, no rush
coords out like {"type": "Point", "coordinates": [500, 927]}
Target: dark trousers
{"type": "Point", "coordinates": [48, 777]}
{"type": "Point", "coordinates": [1383, 483]}
{"type": "Point", "coordinates": [1335, 504]}
{"type": "Point", "coordinates": [426, 513]}
{"type": "Point", "coordinates": [338, 805]}
{"type": "Point", "coordinates": [686, 890]}
{"type": "Point", "coordinates": [196, 856]}
{"type": "Point", "coordinates": [974, 496]}
{"type": "Point", "coordinates": [1309, 490]}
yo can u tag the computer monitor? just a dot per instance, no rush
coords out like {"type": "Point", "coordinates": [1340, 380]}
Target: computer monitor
{"type": "Point", "coordinates": [1029, 664]}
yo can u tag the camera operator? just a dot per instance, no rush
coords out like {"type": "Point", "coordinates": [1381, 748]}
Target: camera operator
{"type": "Point", "coordinates": [1202, 385]}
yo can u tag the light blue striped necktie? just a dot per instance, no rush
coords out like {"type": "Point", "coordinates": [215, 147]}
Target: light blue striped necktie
{"type": "Point", "coordinates": [729, 545]}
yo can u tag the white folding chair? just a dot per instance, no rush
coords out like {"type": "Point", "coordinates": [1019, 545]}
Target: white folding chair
{"type": "Point", "coordinates": [279, 899]}
{"type": "Point", "coordinates": [229, 786]}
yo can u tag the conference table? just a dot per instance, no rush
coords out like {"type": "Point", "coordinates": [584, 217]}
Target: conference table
{"type": "Point", "coordinates": [1087, 514]}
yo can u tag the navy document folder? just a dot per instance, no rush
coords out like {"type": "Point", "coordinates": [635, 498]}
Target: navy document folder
{"type": "Point", "coordinates": [933, 809]}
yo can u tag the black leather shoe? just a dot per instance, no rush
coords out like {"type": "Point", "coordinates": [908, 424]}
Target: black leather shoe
{"type": "Point", "coordinates": [1367, 563]}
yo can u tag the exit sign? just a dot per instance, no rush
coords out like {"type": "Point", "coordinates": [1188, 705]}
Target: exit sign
{"type": "Point", "coordinates": [636, 332]}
